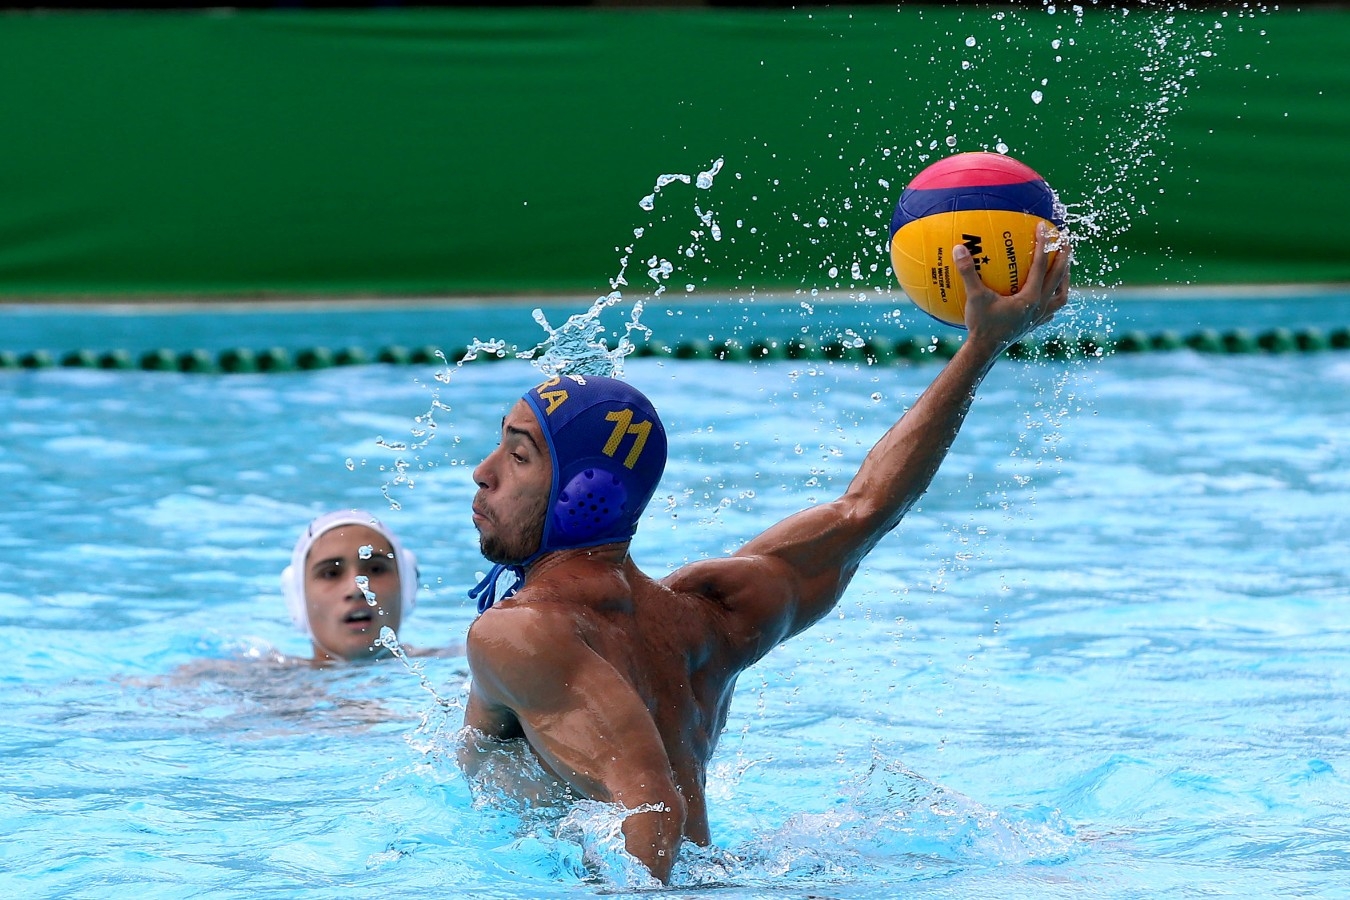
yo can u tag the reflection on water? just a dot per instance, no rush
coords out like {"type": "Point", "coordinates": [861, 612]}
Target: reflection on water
{"type": "Point", "coordinates": [256, 692]}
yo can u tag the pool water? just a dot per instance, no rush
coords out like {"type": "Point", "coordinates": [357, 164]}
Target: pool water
{"type": "Point", "coordinates": [1105, 657]}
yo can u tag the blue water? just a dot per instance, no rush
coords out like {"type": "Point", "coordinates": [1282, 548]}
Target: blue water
{"type": "Point", "coordinates": [1106, 657]}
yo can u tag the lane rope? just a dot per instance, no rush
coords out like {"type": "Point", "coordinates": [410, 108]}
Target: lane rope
{"type": "Point", "coordinates": [876, 350]}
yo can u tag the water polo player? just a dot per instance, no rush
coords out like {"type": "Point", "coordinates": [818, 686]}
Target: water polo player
{"type": "Point", "coordinates": [349, 576]}
{"type": "Point", "coordinates": [617, 684]}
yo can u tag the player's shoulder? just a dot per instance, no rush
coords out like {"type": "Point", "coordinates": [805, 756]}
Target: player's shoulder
{"type": "Point", "coordinates": [723, 580]}
{"type": "Point", "coordinates": [514, 648]}
{"type": "Point", "coordinates": [521, 623]}
{"type": "Point", "coordinates": [748, 598]}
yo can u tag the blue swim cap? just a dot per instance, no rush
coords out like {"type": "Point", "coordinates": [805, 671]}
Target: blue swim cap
{"type": "Point", "coordinates": [608, 448]}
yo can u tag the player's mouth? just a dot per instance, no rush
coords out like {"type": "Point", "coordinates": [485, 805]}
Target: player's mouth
{"type": "Point", "coordinates": [360, 617]}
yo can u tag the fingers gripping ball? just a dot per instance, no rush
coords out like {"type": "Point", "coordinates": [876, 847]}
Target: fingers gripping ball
{"type": "Point", "coordinates": [990, 203]}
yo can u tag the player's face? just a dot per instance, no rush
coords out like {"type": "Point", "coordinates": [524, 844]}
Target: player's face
{"type": "Point", "coordinates": [513, 486]}
{"type": "Point", "coordinates": [352, 590]}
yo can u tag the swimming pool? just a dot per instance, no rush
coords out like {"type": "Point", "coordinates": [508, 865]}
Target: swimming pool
{"type": "Point", "coordinates": [1105, 657]}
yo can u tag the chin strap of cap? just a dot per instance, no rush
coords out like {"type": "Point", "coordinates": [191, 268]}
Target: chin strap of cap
{"type": "Point", "coordinates": [486, 593]}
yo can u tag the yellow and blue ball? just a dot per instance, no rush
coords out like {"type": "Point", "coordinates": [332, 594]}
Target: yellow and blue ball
{"type": "Point", "coordinates": [991, 203]}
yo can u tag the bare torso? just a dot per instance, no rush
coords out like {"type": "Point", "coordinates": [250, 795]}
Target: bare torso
{"type": "Point", "coordinates": [673, 644]}
{"type": "Point", "coordinates": [621, 685]}
{"type": "Point", "coordinates": [671, 647]}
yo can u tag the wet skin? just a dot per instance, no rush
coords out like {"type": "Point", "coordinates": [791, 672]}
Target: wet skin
{"type": "Point", "coordinates": [344, 624]}
{"type": "Point", "coordinates": [621, 684]}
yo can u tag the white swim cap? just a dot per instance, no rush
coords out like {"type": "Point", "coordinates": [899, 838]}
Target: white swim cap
{"type": "Point", "coordinates": [293, 576]}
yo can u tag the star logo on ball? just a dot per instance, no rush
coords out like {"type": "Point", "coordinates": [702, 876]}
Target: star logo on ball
{"type": "Point", "coordinates": [969, 199]}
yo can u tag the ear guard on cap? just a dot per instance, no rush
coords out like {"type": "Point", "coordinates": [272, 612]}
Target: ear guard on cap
{"type": "Point", "coordinates": [589, 505]}
{"type": "Point", "coordinates": [608, 448]}
{"type": "Point", "coordinates": [293, 576]}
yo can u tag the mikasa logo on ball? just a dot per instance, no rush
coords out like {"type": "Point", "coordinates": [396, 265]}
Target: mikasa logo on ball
{"type": "Point", "coordinates": [975, 244]}
{"type": "Point", "coordinates": [959, 200]}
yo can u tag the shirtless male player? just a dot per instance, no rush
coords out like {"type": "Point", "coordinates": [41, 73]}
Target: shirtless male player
{"type": "Point", "coordinates": [619, 685]}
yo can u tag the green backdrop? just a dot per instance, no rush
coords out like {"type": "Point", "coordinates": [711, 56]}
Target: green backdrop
{"type": "Point", "coordinates": [471, 151]}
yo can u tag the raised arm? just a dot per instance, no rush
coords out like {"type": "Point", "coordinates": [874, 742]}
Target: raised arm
{"type": "Point", "coordinates": [792, 574]}
{"type": "Point", "coordinates": [530, 666]}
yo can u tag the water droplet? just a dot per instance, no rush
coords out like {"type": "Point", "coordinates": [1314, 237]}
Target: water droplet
{"type": "Point", "coordinates": [1037, 96]}
{"type": "Point", "coordinates": [970, 41]}
{"type": "Point", "coordinates": [876, 397]}
{"type": "Point", "coordinates": [705, 179]}
{"type": "Point", "coordinates": [951, 140]}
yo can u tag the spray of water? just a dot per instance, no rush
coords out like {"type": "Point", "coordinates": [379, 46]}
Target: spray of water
{"type": "Point", "coordinates": [580, 345]}
{"type": "Point", "coordinates": [847, 236]}
{"type": "Point", "coordinates": [388, 639]}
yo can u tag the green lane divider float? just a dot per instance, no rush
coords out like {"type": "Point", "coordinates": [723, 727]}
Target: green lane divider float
{"type": "Point", "coordinates": [872, 351]}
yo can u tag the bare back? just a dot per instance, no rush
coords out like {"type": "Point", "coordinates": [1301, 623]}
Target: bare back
{"type": "Point", "coordinates": [676, 647]}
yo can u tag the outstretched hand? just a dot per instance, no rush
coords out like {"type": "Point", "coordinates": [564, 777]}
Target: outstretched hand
{"type": "Point", "coordinates": [1002, 320]}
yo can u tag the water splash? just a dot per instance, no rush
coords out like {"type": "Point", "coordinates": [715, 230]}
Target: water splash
{"type": "Point", "coordinates": [659, 268]}
{"type": "Point", "coordinates": [388, 639]}
{"type": "Point", "coordinates": [1131, 160]}
{"type": "Point", "coordinates": [597, 829]}
{"type": "Point", "coordinates": [1009, 70]}
{"type": "Point", "coordinates": [703, 181]}
{"type": "Point", "coordinates": [580, 345]}
{"type": "Point", "coordinates": [423, 431]}
{"type": "Point", "coordinates": [558, 832]}
{"type": "Point", "coordinates": [648, 202]}
{"type": "Point", "coordinates": [889, 821]}
{"type": "Point", "coordinates": [494, 347]}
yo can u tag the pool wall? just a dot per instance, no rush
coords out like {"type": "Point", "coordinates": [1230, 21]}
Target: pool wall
{"type": "Point", "coordinates": [486, 151]}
